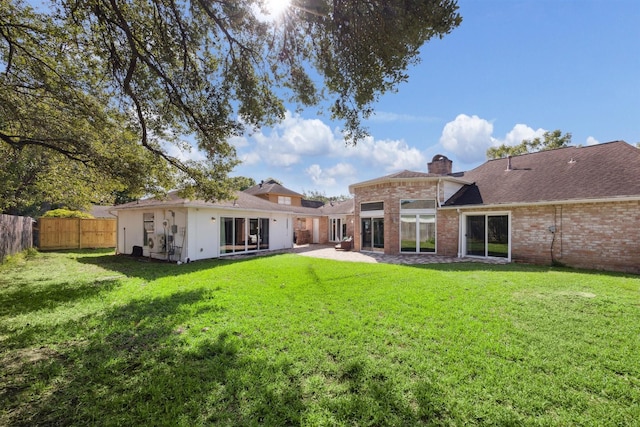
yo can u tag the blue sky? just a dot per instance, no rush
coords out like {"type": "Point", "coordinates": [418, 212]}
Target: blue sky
{"type": "Point", "coordinates": [512, 70]}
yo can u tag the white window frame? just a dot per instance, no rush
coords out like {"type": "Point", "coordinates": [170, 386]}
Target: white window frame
{"type": "Point", "coordinates": [374, 214]}
{"type": "Point", "coordinates": [463, 233]}
{"type": "Point", "coordinates": [284, 200]}
{"type": "Point", "coordinates": [339, 221]}
{"type": "Point", "coordinates": [416, 214]}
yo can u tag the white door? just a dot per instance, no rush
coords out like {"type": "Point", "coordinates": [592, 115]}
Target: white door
{"type": "Point", "coordinates": [316, 230]}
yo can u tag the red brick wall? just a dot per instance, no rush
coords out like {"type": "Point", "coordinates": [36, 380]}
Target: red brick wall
{"type": "Point", "coordinates": [602, 236]}
{"type": "Point", "coordinates": [447, 230]}
{"type": "Point", "coordinates": [324, 230]}
{"type": "Point", "coordinates": [588, 235]}
{"type": "Point", "coordinates": [530, 235]}
{"type": "Point", "coordinates": [390, 194]}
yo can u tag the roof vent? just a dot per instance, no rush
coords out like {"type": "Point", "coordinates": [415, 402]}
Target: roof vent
{"type": "Point", "coordinates": [572, 161]}
{"type": "Point", "coordinates": [509, 164]}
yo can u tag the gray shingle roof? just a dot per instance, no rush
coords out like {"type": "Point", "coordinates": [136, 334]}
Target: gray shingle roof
{"type": "Point", "coordinates": [270, 187]}
{"type": "Point", "coordinates": [602, 171]}
{"type": "Point", "coordinates": [242, 202]}
{"type": "Point", "coordinates": [346, 207]}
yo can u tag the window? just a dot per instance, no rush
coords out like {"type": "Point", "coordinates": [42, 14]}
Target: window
{"type": "Point", "coordinates": [417, 204]}
{"type": "Point", "coordinates": [337, 229]}
{"type": "Point", "coordinates": [417, 225]}
{"type": "Point", "coordinates": [487, 235]}
{"type": "Point", "coordinates": [372, 206]}
{"type": "Point", "coordinates": [284, 200]}
{"type": "Point", "coordinates": [418, 233]}
{"type": "Point", "coordinates": [148, 227]}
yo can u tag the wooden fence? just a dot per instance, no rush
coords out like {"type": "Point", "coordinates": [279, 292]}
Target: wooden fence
{"type": "Point", "coordinates": [16, 234]}
{"type": "Point", "coordinates": [76, 233]}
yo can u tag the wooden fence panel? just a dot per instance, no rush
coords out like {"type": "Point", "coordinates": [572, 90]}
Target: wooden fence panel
{"type": "Point", "coordinates": [98, 233]}
{"type": "Point", "coordinates": [76, 233]}
{"type": "Point", "coordinates": [16, 234]}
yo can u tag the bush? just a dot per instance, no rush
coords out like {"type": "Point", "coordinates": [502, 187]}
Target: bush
{"type": "Point", "coordinates": [66, 213]}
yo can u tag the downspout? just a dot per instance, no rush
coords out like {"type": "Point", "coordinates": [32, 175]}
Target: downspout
{"type": "Point", "coordinates": [438, 192]}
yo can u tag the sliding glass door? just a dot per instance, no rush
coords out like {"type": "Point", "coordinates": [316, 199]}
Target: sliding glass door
{"type": "Point", "coordinates": [487, 235]}
{"type": "Point", "coordinates": [372, 234]}
{"type": "Point", "coordinates": [475, 235]}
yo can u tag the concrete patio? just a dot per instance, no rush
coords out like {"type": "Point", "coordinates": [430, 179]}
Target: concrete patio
{"type": "Point", "coordinates": [329, 252]}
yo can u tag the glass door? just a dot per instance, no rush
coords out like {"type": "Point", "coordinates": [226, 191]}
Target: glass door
{"type": "Point", "coordinates": [498, 236]}
{"type": "Point", "coordinates": [366, 243]}
{"type": "Point", "coordinates": [487, 235]}
{"type": "Point", "coordinates": [476, 235]}
{"type": "Point", "coordinates": [378, 233]}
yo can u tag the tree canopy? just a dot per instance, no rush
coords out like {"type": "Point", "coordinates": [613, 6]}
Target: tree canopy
{"type": "Point", "coordinates": [118, 87]}
{"type": "Point", "coordinates": [550, 140]}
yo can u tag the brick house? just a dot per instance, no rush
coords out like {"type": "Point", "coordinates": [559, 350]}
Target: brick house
{"type": "Point", "coordinates": [318, 223]}
{"type": "Point", "coordinates": [578, 206]}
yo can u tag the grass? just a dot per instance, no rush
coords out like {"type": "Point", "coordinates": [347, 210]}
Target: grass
{"type": "Point", "coordinates": [89, 338]}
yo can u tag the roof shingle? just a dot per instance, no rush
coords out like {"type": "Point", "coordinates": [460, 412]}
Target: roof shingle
{"type": "Point", "coordinates": [600, 171]}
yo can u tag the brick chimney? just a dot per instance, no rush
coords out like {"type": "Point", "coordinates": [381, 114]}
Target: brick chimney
{"type": "Point", "coordinates": [440, 165]}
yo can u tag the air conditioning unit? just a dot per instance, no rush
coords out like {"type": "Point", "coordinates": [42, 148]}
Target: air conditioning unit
{"type": "Point", "coordinates": [161, 242]}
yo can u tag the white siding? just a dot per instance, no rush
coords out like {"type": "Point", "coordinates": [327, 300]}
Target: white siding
{"type": "Point", "coordinates": [197, 231]}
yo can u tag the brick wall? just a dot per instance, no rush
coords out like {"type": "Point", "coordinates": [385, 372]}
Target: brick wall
{"type": "Point", "coordinates": [601, 236]}
{"type": "Point", "coordinates": [447, 230]}
{"type": "Point", "coordinates": [390, 193]}
{"type": "Point", "coordinates": [530, 236]}
{"type": "Point", "coordinates": [588, 235]}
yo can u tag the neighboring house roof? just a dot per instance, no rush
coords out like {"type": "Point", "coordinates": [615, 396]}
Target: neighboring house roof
{"type": "Point", "coordinates": [407, 175]}
{"type": "Point", "coordinates": [602, 171]}
{"type": "Point", "coordinates": [243, 201]}
{"type": "Point", "coordinates": [311, 203]}
{"type": "Point", "coordinates": [270, 187]}
{"type": "Point", "coordinates": [101, 211]}
{"type": "Point", "coordinates": [345, 207]}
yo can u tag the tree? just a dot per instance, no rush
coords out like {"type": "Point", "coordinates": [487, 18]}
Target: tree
{"type": "Point", "coordinates": [549, 141]}
{"type": "Point", "coordinates": [241, 183]}
{"type": "Point", "coordinates": [322, 197]}
{"type": "Point", "coordinates": [111, 85]}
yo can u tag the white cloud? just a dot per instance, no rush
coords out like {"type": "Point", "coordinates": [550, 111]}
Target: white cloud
{"type": "Point", "coordinates": [297, 140]}
{"type": "Point", "coordinates": [592, 141]}
{"type": "Point", "coordinates": [339, 175]}
{"type": "Point", "coordinates": [290, 141]}
{"type": "Point", "coordinates": [238, 141]}
{"type": "Point", "coordinates": [342, 172]}
{"type": "Point", "coordinates": [389, 155]}
{"type": "Point", "coordinates": [468, 137]}
{"type": "Point", "coordinates": [320, 177]}
{"type": "Point", "coordinates": [184, 151]}
{"type": "Point", "coordinates": [519, 133]}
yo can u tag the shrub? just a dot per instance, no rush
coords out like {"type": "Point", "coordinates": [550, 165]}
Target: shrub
{"type": "Point", "coordinates": [66, 213]}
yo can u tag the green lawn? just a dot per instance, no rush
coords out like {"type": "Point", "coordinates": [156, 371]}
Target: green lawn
{"type": "Point", "coordinates": [89, 338]}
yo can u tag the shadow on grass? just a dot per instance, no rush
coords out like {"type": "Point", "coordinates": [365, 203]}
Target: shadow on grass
{"type": "Point", "coordinates": [515, 267]}
{"type": "Point", "coordinates": [28, 299]}
{"type": "Point", "coordinates": [142, 364]}
{"type": "Point", "coordinates": [151, 269]}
